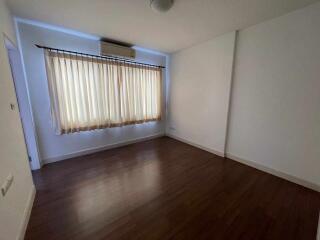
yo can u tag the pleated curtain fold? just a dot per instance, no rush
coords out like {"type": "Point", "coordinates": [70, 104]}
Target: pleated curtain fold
{"type": "Point", "coordinates": [89, 93]}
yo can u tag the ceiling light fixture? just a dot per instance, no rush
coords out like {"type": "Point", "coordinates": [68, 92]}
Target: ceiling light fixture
{"type": "Point", "coordinates": [161, 5]}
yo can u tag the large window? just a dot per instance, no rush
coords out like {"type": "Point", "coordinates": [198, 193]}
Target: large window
{"type": "Point", "coordinates": [92, 93]}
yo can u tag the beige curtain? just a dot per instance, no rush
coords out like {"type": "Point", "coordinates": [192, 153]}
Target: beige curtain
{"type": "Point", "coordinates": [93, 93]}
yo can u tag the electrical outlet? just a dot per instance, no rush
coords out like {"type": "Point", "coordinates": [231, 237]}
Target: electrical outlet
{"type": "Point", "coordinates": [6, 185]}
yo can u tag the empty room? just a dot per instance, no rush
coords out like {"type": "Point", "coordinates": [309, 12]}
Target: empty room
{"type": "Point", "coordinates": [160, 120]}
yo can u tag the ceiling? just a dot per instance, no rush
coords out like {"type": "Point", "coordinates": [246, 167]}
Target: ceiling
{"type": "Point", "coordinates": [189, 21]}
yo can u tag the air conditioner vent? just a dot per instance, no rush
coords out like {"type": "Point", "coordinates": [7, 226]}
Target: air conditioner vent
{"type": "Point", "coordinates": [112, 49]}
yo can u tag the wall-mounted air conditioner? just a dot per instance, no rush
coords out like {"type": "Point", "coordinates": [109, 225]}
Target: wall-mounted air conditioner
{"type": "Point", "coordinates": [112, 49]}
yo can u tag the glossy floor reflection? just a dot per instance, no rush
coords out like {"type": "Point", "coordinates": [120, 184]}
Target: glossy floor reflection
{"type": "Point", "coordinates": [165, 189]}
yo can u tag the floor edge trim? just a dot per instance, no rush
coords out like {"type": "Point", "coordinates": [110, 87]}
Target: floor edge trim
{"type": "Point", "coordinates": [275, 172]}
{"type": "Point", "coordinates": [101, 148]}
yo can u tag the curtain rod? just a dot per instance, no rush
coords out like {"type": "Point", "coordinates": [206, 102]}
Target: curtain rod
{"type": "Point", "coordinates": [98, 56]}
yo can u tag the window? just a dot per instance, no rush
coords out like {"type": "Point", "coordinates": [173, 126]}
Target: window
{"type": "Point", "coordinates": [89, 93]}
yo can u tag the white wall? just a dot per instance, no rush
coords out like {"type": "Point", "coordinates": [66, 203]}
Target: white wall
{"type": "Point", "coordinates": [15, 206]}
{"type": "Point", "coordinates": [274, 117]}
{"type": "Point", "coordinates": [56, 147]}
{"type": "Point", "coordinates": [275, 114]}
{"type": "Point", "coordinates": [24, 106]}
{"type": "Point", "coordinates": [199, 93]}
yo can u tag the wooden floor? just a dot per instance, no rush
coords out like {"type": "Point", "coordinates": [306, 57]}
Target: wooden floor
{"type": "Point", "coordinates": [164, 189]}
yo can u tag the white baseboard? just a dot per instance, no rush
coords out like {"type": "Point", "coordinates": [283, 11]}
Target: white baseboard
{"type": "Point", "coordinates": [221, 154]}
{"type": "Point", "coordinates": [27, 213]}
{"type": "Point", "coordinates": [100, 148]}
{"type": "Point", "coordinates": [258, 166]}
{"type": "Point", "coordinates": [274, 172]}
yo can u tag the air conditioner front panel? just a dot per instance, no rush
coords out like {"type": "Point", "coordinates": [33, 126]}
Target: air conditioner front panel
{"type": "Point", "coordinates": [111, 49]}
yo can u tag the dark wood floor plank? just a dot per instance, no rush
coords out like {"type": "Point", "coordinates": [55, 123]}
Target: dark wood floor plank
{"type": "Point", "coordinates": [165, 189]}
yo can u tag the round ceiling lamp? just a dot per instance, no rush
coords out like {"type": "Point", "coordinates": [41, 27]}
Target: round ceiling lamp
{"type": "Point", "coordinates": [161, 5]}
